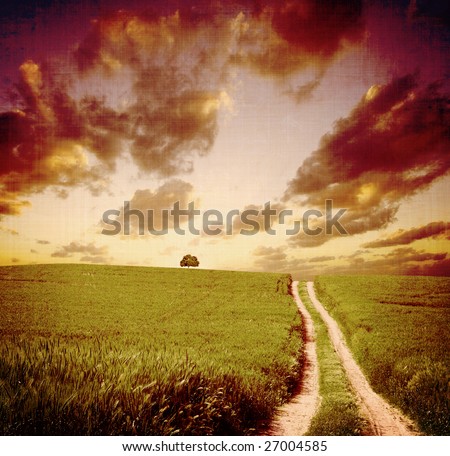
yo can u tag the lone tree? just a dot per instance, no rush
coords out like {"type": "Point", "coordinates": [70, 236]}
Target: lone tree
{"type": "Point", "coordinates": [189, 260]}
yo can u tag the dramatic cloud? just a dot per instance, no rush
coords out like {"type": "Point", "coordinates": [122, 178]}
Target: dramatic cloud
{"type": "Point", "coordinates": [393, 144]}
{"type": "Point", "coordinates": [401, 237]}
{"type": "Point", "coordinates": [317, 27]}
{"type": "Point", "coordinates": [42, 242]}
{"type": "Point", "coordinates": [70, 124]}
{"type": "Point", "coordinates": [76, 247]}
{"type": "Point", "coordinates": [180, 65]}
{"type": "Point", "coordinates": [64, 133]}
{"type": "Point", "coordinates": [281, 37]}
{"type": "Point", "coordinates": [176, 67]}
{"type": "Point", "coordinates": [42, 144]}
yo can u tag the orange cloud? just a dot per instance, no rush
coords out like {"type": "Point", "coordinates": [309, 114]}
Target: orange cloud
{"type": "Point", "coordinates": [43, 144]}
{"type": "Point", "coordinates": [178, 65]}
{"type": "Point", "coordinates": [401, 237]}
{"type": "Point", "coordinates": [317, 27]}
{"type": "Point", "coordinates": [54, 140]}
{"type": "Point", "coordinates": [282, 37]}
{"type": "Point", "coordinates": [393, 144]}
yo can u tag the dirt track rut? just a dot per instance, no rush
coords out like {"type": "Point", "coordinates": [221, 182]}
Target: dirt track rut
{"type": "Point", "coordinates": [383, 419]}
{"type": "Point", "coordinates": [294, 417]}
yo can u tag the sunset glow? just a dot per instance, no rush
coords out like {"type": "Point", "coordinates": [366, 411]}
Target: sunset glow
{"type": "Point", "coordinates": [228, 105]}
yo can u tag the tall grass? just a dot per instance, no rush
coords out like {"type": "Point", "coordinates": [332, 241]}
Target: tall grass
{"type": "Point", "coordinates": [398, 330]}
{"type": "Point", "coordinates": [100, 388]}
{"type": "Point", "coordinates": [143, 351]}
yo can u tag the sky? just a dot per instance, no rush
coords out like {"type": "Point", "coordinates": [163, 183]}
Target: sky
{"type": "Point", "coordinates": [299, 136]}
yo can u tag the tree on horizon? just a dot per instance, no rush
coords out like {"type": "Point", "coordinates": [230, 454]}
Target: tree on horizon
{"type": "Point", "coordinates": [189, 260]}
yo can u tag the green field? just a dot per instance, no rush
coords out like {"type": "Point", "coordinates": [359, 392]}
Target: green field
{"type": "Point", "coordinates": [102, 350]}
{"type": "Point", "coordinates": [398, 330]}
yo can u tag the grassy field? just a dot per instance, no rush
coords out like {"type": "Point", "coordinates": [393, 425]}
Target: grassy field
{"type": "Point", "coordinates": [338, 413]}
{"type": "Point", "coordinates": [398, 330]}
{"type": "Point", "coordinates": [100, 350]}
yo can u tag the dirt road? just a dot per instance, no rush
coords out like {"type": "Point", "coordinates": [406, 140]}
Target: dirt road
{"type": "Point", "coordinates": [383, 418]}
{"type": "Point", "coordinates": [295, 417]}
